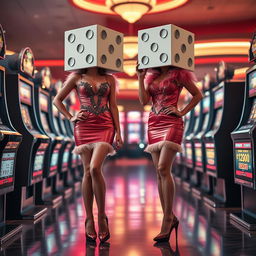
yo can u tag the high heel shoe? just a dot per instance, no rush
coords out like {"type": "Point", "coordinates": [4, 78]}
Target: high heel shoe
{"type": "Point", "coordinates": [89, 237]}
{"type": "Point", "coordinates": [104, 236]}
{"type": "Point", "coordinates": [166, 238]}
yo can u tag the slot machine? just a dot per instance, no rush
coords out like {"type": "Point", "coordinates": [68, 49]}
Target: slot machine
{"type": "Point", "coordinates": [218, 142]}
{"type": "Point", "coordinates": [31, 152]}
{"type": "Point", "coordinates": [59, 185]}
{"type": "Point", "coordinates": [244, 148]}
{"type": "Point", "coordinates": [189, 145]}
{"type": "Point", "coordinates": [10, 140]}
{"type": "Point", "coordinates": [204, 180]}
{"type": "Point", "coordinates": [44, 189]}
{"type": "Point", "coordinates": [187, 151]}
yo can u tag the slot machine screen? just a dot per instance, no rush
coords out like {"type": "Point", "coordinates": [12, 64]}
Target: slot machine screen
{"type": "Point", "coordinates": [43, 101]}
{"type": "Point", "coordinates": [25, 93]}
{"type": "Point", "coordinates": [65, 157]}
{"type": "Point", "coordinates": [7, 167]}
{"type": "Point", "coordinates": [54, 159]}
{"type": "Point", "coordinates": [218, 97]}
{"type": "Point", "coordinates": [26, 117]}
{"type": "Point", "coordinates": [134, 126]}
{"type": "Point", "coordinates": [39, 160]}
{"type": "Point", "coordinates": [206, 104]}
{"type": "Point", "coordinates": [134, 117]}
{"type": "Point", "coordinates": [198, 153]}
{"type": "Point", "coordinates": [210, 156]}
{"type": "Point", "coordinates": [243, 163]}
{"type": "Point", "coordinates": [252, 84]}
{"type": "Point", "coordinates": [133, 133]}
{"type": "Point", "coordinates": [252, 118]}
{"type": "Point", "coordinates": [188, 151]}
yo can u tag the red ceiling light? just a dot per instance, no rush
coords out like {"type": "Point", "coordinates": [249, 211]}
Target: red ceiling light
{"type": "Point", "coordinates": [130, 10]}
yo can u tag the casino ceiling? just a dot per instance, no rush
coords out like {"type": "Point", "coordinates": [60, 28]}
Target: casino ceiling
{"type": "Point", "coordinates": [40, 24]}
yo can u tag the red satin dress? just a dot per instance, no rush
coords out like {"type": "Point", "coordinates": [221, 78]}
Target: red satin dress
{"type": "Point", "coordinates": [98, 126]}
{"type": "Point", "coordinates": [165, 130]}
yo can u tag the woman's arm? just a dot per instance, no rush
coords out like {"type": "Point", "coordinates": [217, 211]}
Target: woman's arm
{"type": "Point", "coordinates": [69, 85]}
{"type": "Point", "coordinates": [144, 96]}
{"type": "Point", "coordinates": [114, 110]}
{"type": "Point", "coordinates": [197, 96]}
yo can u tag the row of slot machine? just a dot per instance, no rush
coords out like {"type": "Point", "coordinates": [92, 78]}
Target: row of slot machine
{"type": "Point", "coordinates": [220, 144]}
{"type": "Point", "coordinates": [37, 167]}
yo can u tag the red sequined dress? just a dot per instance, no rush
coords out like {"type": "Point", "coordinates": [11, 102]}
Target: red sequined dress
{"type": "Point", "coordinates": [98, 126]}
{"type": "Point", "coordinates": [165, 130]}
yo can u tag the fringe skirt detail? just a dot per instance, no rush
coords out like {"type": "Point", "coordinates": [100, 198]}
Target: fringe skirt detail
{"type": "Point", "coordinates": [90, 146]}
{"type": "Point", "coordinates": [155, 147]}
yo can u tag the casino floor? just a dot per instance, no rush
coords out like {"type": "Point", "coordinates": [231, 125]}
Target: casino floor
{"type": "Point", "coordinates": [135, 216]}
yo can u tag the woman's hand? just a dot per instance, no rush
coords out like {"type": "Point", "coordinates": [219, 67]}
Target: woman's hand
{"type": "Point", "coordinates": [79, 116]}
{"type": "Point", "coordinates": [118, 141]}
{"type": "Point", "coordinates": [140, 72]}
{"type": "Point", "coordinates": [171, 110]}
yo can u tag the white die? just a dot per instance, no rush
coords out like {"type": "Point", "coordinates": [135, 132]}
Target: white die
{"type": "Point", "coordinates": [166, 45]}
{"type": "Point", "coordinates": [93, 46]}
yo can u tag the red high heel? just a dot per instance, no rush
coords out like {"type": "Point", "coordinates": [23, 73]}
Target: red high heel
{"type": "Point", "coordinates": [104, 236]}
{"type": "Point", "coordinates": [89, 237]}
{"type": "Point", "coordinates": [166, 238]}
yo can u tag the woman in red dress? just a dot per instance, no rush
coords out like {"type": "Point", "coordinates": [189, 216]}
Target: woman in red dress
{"type": "Point", "coordinates": [95, 127]}
{"type": "Point", "coordinates": [165, 130]}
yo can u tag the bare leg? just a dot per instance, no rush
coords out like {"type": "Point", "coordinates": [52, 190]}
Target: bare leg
{"type": "Point", "coordinates": [166, 159]}
{"type": "Point", "coordinates": [155, 157]}
{"type": "Point", "coordinates": [99, 187]}
{"type": "Point", "coordinates": [87, 192]}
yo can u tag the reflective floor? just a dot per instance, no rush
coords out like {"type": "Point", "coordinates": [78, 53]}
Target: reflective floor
{"type": "Point", "coordinates": [134, 213]}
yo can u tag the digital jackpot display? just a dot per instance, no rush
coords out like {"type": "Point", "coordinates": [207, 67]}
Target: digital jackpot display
{"type": "Point", "coordinates": [7, 163]}
{"type": "Point", "coordinates": [188, 149]}
{"type": "Point", "coordinates": [244, 163]}
{"type": "Point", "coordinates": [43, 101]}
{"type": "Point", "coordinates": [198, 153]}
{"type": "Point", "coordinates": [252, 84]}
{"type": "Point", "coordinates": [210, 156]}
{"type": "Point", "coordinates": [39, 160]}
{"type": "Point", "coordinates": [25, 93]}
{"type": "Point", "coordinates": [54, 158]}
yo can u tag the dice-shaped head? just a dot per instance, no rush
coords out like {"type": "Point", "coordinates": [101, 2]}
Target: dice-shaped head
{"type": "Point", "coordinates": [166, 45]}
{"type": "Point", "coordinates": [93, 46]}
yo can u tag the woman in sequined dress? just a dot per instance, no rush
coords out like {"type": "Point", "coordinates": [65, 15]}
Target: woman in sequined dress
{"type": "Point", "coordinates": [95, 127]}
{"type": "Point", "coordinates": [165, 129]}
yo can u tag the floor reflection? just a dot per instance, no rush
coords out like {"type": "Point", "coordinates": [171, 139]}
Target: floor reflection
{"type": "Point", "coordinates": [135, 215]}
